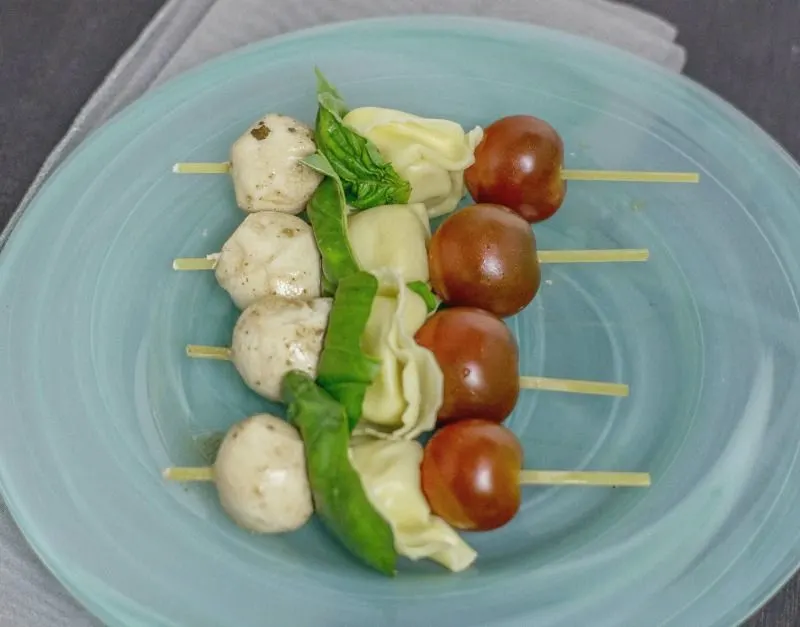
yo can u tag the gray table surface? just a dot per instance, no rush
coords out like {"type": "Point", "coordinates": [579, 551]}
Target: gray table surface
{"type": "Point", "coordinates": [54, 54]}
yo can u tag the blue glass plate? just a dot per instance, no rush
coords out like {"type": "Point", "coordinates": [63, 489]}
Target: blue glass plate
{"type": "Point", "coordinates": [98, 396]}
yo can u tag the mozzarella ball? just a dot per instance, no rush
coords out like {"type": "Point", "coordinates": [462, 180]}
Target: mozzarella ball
{"type": "Point", "coordinates": [261, 477]}
{"type": "Point", "coordinates": [270, 253]}
{"type": "Point", "coordinates": [275, 335]}
{"type": "Point", "coordinates": [266, 169]}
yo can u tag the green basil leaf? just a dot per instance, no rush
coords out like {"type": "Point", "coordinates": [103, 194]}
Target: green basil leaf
{"type": "Point", "coordinates": [318, 162]}
{"type": "Point", "coordinates": [327, 214]}
{"type": "Point", "coordinates": [329, 97]}
{"type": "Point", "coordinates": [340, 500]}
{"type": "Point", "coordinates": [423, 289]}
{"type": "Point", "coordinates": [344, 370]}
{"type": "Point", "coordinates": [367, 179]}
{"type": "Point", "coordinates": [328, 288]}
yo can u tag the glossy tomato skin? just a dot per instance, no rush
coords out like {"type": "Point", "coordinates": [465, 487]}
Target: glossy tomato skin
{"type": "Point", "coordinates": [485, 256]}
{"type": "Point", "coordinates": [479, 359]}
{"type": "Point", "coordinates": [470, 474]}
{"type": "Point", "coordinates": [518, 164]}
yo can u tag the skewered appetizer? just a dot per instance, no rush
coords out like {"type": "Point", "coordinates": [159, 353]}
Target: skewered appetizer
{"type": "Point", "coordinates": [341, 321]}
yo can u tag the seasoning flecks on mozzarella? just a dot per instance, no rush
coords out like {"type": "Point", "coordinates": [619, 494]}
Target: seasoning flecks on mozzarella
{"type": "Point", "coordinates": [275, 335]}
{"type": "Point", "coordinates": [270, 253]}
{"type": "Point", "coordinates": [266, 166]}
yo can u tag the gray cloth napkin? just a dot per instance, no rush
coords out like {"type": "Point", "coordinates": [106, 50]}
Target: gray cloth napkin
{"type": "Point", "coordinates": [187, 32]}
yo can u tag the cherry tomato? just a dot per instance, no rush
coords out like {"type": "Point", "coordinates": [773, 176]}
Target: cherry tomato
{"type": "Point", "coordinates": [479, 359]}
{"type": "Point", "coordinates": [485, 256]}
{"type": "Point", "coordinates": [518, 164]}
{"type": "Point", "coordinates": [470, 474]}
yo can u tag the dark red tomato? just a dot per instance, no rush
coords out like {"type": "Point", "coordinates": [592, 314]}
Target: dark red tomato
{"type": "Point", "coordinates": [470, 474]}
{"type": "Point", "coordinates": [485, 256]}
{"type": "Point", "coordinates": [479, 359]}
{"type": "Point", "coordinates": [518, 164]}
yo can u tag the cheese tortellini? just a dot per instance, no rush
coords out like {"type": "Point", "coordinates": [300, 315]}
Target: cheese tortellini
{"type": "Point", "coordinates": [406, 395]}
{"type": "Point", "coordinates": [394, 237]}
{"type": "Point", "coordinates": [430, 154]}
{"type": "Point", "coordinates": [390, 474]}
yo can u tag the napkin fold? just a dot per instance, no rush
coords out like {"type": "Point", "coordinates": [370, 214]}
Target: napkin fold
{"type": "Point", "coordinates": [185, 33]}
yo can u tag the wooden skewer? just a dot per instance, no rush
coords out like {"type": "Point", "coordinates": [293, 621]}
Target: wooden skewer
{"type": "Point", "coordinates": [195, 263]}
{"type": "Point", "coordinates": [571, 386]}
{"type": "Point", "coordinates": [197, 351]}
{"type": "Point", "coordinates": [624, 176]}
{"type": "Point", "coordinates": [569, 477]}
{"type": "Point", "coordinates": [201, 168]}
{"type": "Point", "coordinates": [627, 176]}
{"type": "Point", "coordinates": [620, 255]}
{"type": "Point", "coordinates": [526, 477]}
{"type": "Point", "coordinates": [201, 473]}
{"type": "Point", "coordinates": [574, 386]}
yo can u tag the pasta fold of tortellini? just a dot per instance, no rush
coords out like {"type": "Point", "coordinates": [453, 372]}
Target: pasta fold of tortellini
{"type": "Point", "coordinates": [406, 395]}
{"type": "Point", "coordinates": [390, 474]}
{"type": "Point", "coordinates": [394, 237]}
{"type": "Point", "coordinates": [431, 154]}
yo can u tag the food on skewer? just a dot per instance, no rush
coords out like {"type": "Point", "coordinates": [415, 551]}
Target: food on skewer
{"type": "Point", "coordinates": [263, 470]}
{"type": "Point", "coordinates": [339, 496]}
{"type": "Point", "coordinates": [470, 474]}
{"type": "Point", "coordinates": [520, 164]}
{"type": "Point", "coordinates": [272, 475]}
{"type": "Point", "coordinates": [375, 496]}
{"type": "Point", "coordinates": [526, 382]}
{"type": "Point", "coordinates": [384, 156]}
{"type": "Point", "coordinates": [270, 253]}
{"type": "Point", "coordinates": [560, 256]}
{"type": "Point", "coordinates": [431, 154]}
{"type": "Point", "coordinates": [275, 335]}
{"type": "Point", "coordinates": [392, 368]}
{"type": "Point", "coordinates": [370, 362]}
{"type": "Point", "coordinates": [485, 256]}
{"type": "Point", "coordinates": [394, 237]}
{"type": "Point", "coordinates": [346, 371]}
{"type": "Point", "coordinates": [395, 371]}
{"type": "Point", "coordinates": [367, 371]}
{"type": "Point", "coordinates": [266, 166]}
{"type": "Point", "coordinates": [368, 180]}
{"type": "Point", "coordinates": [479, 360]}
{"type": "Point", "coordinates": [401, 390]}
{"type": "Point", "coordinates": [260, 472]}
{"type": "Point", "coordinates": [390, 474]}
{"type": "Point", "coordinates": [405, 395]}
